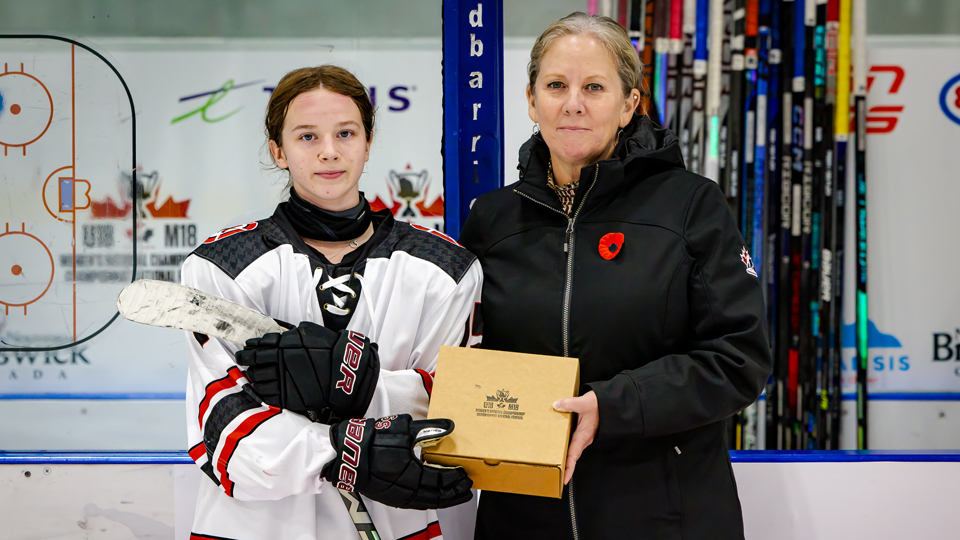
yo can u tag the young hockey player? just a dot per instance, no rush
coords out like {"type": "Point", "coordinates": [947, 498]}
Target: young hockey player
{"type": "Point", "coordinates": [374, 298]}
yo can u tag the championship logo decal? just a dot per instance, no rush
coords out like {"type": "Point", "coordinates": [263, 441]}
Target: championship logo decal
{"type": "Point", "coordinates": [501, 405]}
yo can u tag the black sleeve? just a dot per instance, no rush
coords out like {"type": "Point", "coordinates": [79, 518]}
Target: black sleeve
{"type": "Point", "coordinates": [729, 359]}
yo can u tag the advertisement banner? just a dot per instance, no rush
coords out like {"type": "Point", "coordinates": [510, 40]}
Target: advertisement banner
{"type": "Point", "coordinates": [78, 213]}
{"type": "Point", "coordinates": [201, 164]}
{"type": "Point", "coordinates": [913, 138]}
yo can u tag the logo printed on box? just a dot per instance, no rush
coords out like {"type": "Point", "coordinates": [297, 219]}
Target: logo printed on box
{"type": "Point", "coordinates": [501, 405]}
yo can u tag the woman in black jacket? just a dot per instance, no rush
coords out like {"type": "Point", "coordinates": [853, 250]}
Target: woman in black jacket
{"type": "Point", "coordinates": [607, 250]}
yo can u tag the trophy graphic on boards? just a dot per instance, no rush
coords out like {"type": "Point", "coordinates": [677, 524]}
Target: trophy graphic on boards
{"type": "Point", "coordinates": [408, 186]}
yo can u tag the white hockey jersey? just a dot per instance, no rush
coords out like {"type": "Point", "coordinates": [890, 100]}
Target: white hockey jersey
{"type": "Point", "coordinates": [411, 290]}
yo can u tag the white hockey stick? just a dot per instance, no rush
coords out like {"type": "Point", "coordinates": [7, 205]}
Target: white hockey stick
{"type": "Point", "coordinates": [168, 305]}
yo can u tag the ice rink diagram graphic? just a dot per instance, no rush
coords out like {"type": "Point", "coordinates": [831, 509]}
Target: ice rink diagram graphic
{"type": "Point", "coordinates": [28, 106]}
{"type": "Point", "coordinates": [67, 125]}
{"type": "Point", "coordinates": [22, 251]}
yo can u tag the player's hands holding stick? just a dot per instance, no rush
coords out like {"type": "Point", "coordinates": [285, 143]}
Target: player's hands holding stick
{"type": "Point", "coordinates": [314, 371]}
{"type": "Point", "coordinates": [588, 420]}
{"type": "Point", "coordinates": [376, 459]}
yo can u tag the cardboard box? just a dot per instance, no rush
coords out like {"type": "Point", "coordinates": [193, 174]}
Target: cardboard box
{"type": "Point", "coordinates": [508, 437]}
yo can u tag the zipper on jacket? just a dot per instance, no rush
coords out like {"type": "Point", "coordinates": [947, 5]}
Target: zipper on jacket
{"type": "Point", "coordinates": [573, 512]}
{"type": "Point", "coordinates": [567, 296]}
{"type": "Point", "coordinates": [525, 196]}
{"type": "Point", "coordinates": [568, 247]}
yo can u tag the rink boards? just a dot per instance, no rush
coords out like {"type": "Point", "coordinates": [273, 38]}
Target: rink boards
{"type": "Point", "coordinates": [789, 495]}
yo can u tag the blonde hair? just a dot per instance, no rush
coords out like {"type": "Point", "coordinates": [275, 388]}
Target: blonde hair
{"type": "Point", "coordinates": [611, 36]}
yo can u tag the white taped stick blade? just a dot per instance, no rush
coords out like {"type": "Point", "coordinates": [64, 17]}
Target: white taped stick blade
{"type": "Point", "coordinates": [168, 305]}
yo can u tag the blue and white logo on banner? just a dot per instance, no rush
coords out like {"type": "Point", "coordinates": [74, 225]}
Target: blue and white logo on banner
{"type": "Point", "coordinates": [950, 99]}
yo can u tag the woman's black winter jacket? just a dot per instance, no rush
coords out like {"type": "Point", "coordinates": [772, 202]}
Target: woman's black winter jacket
{"type": "Point", "coordinates": [670, 334]}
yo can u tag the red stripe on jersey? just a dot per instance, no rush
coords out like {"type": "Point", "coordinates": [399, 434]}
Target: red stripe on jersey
{"type": "Point", "coordinates": [197, 452]}
{"type": "Point", "coordinates": [435, 233]}
{"type": "Point", "coordinates": [427, 380]}
{"type": "Point", "coordinates": [474, 327]}
{"type": "Point", "coordinates": [476, 323]}
{"type": "Point", "coordinates": [230, 231]}
{"type": "Point", "coordinates": [246, 428]}
{"type": "Point", "coordinates": [233, 376]}
{"type": "Point", "coordinates": [432, 531]}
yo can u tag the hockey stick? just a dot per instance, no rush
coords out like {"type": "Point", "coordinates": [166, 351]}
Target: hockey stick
{"type": "Point", "coordinates": [820, 212]}
{"type": "Point", "coordinates": [828, 11]}
{"type": "Point", "coordinates": [796, 379]}
{"type": "Point", "coordinates": [635, 24]}
{"type": "Point", "coordinates": [622, 13]}
{"type": "Point", "coordinates": [748, 125]}
{"type": "Point", "coordinates": [697, 114]}
{"type": "Point", "coordinates": [858, 42]}
{"type": "Point", "coordinates": [831, 226]}
{"type": "Point", "coordinates": [735, 112]}
{"type": "Point", "coordinates": [786, 372]}
{"type": "Point", "coordinates": [168, 305]}
{"type": "Point", "coordinates": [661, 34]}
{"type": "Point", "coordinates": [841, 134]}
{"type": "Point", "coordinates": [674, 59]}
{"type": "Point", "coordinates": [773, 225]}
{"type": "Point", "coordinates": [648, 57]}
{"type": "Point", "coordinates": [807, 12]}
{"type": "Point", "coordinates": [760, 185]}
{"type": "Point", "coordinates": [711, 159]}
{"type": "Point", "coordinates": [685, 108]}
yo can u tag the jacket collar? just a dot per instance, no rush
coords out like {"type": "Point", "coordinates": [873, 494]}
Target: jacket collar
{"type": "Point", "coordinates": [643, 147]}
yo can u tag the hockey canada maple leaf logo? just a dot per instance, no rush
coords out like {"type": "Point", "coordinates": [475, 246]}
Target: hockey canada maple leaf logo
{"type": "Point", "coordinates": [745, 257]}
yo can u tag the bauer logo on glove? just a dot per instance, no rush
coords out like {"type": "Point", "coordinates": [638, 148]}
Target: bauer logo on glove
{"type": "Point", "coordinates": [352, 355]}
{"type": "Point", "coordinates": [375, 457]}
{"type": "Point", "coordinates": [314, 371]}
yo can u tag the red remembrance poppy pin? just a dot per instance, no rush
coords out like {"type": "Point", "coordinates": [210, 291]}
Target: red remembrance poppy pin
{"type": "Point", "coordinates": [611, 245]}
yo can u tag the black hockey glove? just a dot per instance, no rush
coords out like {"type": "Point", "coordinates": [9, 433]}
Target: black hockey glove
{"type": "Point", "coordinates": [314, 371]}
{"type": "Point", "coordinates": [375, 458]}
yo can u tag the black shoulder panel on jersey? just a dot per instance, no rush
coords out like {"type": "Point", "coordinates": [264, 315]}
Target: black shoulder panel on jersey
{"type": "Point", "coordinates": [426, 244]}
{"type": "Point", "coordinates": [234, 248]}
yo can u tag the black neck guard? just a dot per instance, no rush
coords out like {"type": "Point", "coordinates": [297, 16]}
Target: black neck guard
{"type": "Point", "coordinates": [316, 223]}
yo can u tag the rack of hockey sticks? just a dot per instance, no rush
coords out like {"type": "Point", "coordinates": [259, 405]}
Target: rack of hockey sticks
{"type": "Point", "coordinates": [765, 97]}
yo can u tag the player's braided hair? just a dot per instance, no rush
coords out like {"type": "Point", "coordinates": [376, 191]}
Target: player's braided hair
{"type": "Point", "coordinates": [333, 78]}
